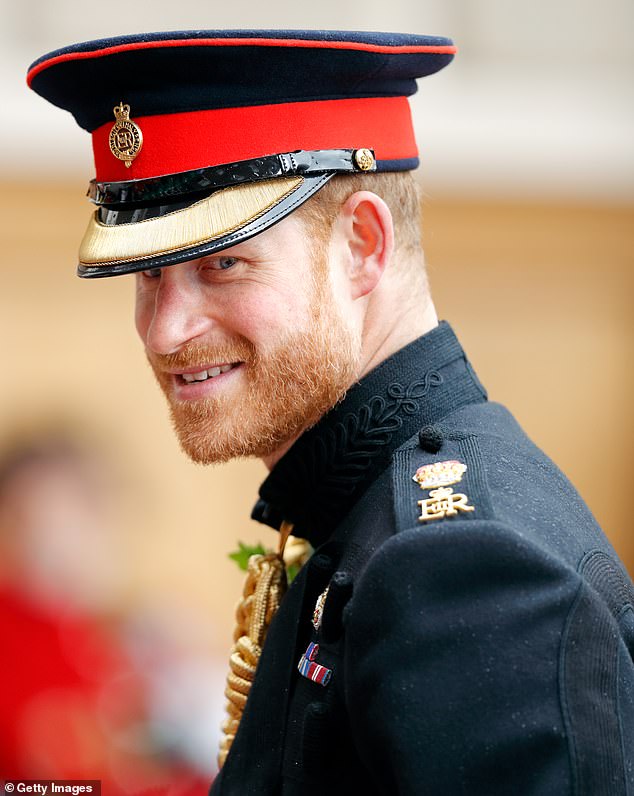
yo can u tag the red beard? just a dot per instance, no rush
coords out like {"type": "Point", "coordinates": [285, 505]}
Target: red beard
{"type": "Point", "coordinates": [278, 394]}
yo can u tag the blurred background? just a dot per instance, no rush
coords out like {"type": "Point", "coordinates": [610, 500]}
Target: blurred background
{"type": "Point", "coordinates": [116, 593]}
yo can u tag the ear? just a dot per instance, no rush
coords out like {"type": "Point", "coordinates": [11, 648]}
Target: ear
{"type": "Point", "coordinates": [368, 232]}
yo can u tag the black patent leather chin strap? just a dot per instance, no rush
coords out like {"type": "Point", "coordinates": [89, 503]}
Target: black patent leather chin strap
{"type": "Point", "coordinates": [172, 187]}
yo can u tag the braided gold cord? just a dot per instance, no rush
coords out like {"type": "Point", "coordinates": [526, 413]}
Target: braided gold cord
{"type": "Point", "coordinates": [262, 594]}
{"type": "Point", "coordinates": [297, 552]}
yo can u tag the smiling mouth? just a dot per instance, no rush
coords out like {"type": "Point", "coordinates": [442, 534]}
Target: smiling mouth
{"type": "Point", "coordinates": [208, 373]}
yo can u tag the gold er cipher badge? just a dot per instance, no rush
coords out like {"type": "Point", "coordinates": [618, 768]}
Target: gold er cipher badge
{"type": "Point", "coordinates": [126, 138]}
{"type": "Point", "coordinates": [442, 502]}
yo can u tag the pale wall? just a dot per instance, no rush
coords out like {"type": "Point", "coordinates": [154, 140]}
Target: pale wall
{"type": "Point", "coordinates": [540, 295]}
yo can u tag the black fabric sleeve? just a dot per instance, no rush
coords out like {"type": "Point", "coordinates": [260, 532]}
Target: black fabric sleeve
{"type": "Point", "coordinates": [453, 664]}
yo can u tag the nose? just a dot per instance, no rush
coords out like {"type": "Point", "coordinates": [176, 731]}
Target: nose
{"type": "Point", "coordinates": [175, 312]}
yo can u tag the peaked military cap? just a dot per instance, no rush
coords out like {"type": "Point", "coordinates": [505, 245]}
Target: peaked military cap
{"type": "Point", "coordinates": [203, 139]}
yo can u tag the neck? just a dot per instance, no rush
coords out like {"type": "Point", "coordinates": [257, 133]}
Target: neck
{"type": "Point", "coordinates": [404, 324]}
{"type": "Point", "coordinates": [332, 464]}
{"type": "Point", "coordinates": [271, 459]}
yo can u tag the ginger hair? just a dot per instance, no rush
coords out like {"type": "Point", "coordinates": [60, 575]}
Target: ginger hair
{"type": "Point", "coordinates": [399, 190]}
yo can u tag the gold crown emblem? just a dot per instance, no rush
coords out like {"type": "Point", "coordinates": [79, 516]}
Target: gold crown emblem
{"type": "Point", "coordinates": [431, 476]}
{"type": "Point", "coordinates": [126, 138]}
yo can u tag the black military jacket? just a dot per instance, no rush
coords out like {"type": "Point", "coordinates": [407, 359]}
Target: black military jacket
{"type": "Point", "coordinates": [484, 652]}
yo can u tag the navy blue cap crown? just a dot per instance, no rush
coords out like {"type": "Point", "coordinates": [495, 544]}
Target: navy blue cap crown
{"type": "Point", "coordinates": [158, 76]}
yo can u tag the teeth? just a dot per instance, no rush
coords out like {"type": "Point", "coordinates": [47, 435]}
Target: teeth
{"type": "Point", "coordinates": [203, 375]}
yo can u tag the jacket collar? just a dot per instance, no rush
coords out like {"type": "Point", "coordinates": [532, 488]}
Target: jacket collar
{"type": "Point", "coordinates": [316, 483]}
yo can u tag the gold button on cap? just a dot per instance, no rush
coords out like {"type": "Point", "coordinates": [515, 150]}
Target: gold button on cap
{"type": "Point", "coordinates": [364, 159]}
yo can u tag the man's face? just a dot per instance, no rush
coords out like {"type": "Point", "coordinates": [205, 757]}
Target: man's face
{"type": "Point", "coordinates": [250, 345]}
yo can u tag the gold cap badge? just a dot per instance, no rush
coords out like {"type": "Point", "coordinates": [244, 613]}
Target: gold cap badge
{"type": "Point", "coordinates": [430, 476]}
{"type": "Point", "coordinates": [126, 138]}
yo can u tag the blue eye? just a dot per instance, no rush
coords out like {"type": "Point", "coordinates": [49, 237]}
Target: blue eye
{"type": "Point", "coordinates": [152, 273]}
{"type": "Point", "coordinates": [222, 263]}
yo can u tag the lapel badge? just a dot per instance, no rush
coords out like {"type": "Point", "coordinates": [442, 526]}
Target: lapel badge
{"type": "Point", "coordinates": [319, 608]}
{"type": "Point", "coordinates": [430, 476]}
{"type": "Point", "coordinates": [310, 669]}
{"type": "Point", "coordinates": [126, 138]}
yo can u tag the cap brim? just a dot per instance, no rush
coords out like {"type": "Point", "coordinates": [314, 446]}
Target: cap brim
{"type": "Point", "coordinates": [218, 221]}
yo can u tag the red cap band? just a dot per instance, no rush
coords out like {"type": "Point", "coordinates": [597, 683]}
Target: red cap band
{"type": "Point", "coordinates": [178, 142]}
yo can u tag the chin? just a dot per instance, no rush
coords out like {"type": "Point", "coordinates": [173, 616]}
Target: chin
{"type": "Point", "coordinates": [207, 437]}
{"type": "Point", "coordinates": [205, 446]}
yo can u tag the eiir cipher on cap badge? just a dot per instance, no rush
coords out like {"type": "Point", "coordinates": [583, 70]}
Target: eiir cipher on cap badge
{"type": "Point", "coordinates": [126, 138]}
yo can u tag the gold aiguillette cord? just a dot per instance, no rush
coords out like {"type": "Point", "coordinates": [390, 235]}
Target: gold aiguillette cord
{"type": "Point", "coordinates": [262, 594]}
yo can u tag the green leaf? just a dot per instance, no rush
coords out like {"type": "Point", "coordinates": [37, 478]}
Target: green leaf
{"type": "Point", "coordinates": [291, 573]}
{"type": "Point", "coordinates": [244, 552]}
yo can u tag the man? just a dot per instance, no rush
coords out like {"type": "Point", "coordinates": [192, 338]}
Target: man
{"type": "Point", "coordinates": [463, 625]}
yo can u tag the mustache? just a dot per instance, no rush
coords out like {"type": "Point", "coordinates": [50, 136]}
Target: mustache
{"type": "Point", "coordinates": [197, 354]}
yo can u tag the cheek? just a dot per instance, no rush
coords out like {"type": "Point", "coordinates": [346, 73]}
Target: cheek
{"type": "Point", "coordinates": [270, 314]}
{"type": "Point", "coordinates": [256, 318]}
{"type": "Point", "coordinates": [142, 313]}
